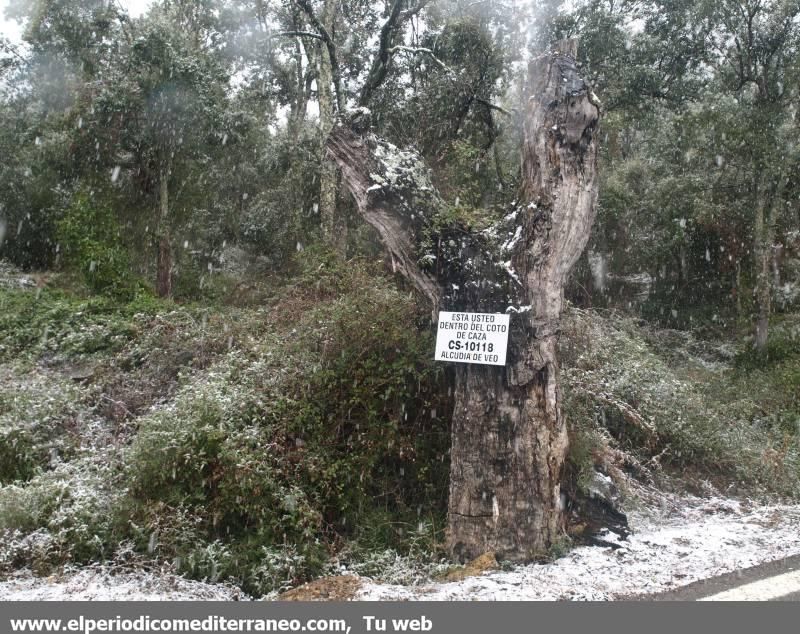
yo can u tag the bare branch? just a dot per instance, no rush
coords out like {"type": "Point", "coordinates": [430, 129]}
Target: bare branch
{"type": "Point", "coordinates": [419, 49]}
{"type": "Point", "coordinates": [6, 46]}
{"type": "Point", "coordinates": [410, 13]}
{"type": "Point", "coordinates": [380, 63]}
{"type": "Point", "coordinates": [494, 106]}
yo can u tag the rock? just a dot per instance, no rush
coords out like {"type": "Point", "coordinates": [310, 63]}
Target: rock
{"type": "Point", "coordinates": [603, 487]}
{"type": "Point", "coordinates": [338, 588]}
{"type": "Point", "coordinates": [479, 565]}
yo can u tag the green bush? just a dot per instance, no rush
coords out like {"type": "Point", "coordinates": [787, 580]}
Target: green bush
{"type": "Point", "coordinates": [278, 451]}
{"type": "Point", "coordinates": [18, 456]}
{"type": "Point", "coordinates": [283, 433]}
{"type": "Point", "coordinates": [50, 322]}
{"type": "Point", "coordinates": [89, 236]}
{"type": "Point", "coordinates": [37, 423]}
{"type": "Point", "coordinates": [68, 509]}
{"type": "Point", "coordinates": [783, 345]}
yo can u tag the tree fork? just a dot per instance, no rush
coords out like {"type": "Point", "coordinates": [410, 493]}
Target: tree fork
{"type": "Point", "coordinates": [509, 438]}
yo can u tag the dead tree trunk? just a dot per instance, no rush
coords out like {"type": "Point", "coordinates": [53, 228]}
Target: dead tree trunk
{"type": "Point", "coordinates": [509, 437]}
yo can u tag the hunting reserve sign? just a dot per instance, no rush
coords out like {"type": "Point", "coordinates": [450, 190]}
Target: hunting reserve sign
{"type": "Point", "coordinates": [472, 338]}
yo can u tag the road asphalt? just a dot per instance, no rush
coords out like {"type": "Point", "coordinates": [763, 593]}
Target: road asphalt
{"type": "Point", "coordinates": [777, 580]}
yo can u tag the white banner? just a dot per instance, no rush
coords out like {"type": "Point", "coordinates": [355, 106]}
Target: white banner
{"type": "Point", "coordinates": [472, 338]}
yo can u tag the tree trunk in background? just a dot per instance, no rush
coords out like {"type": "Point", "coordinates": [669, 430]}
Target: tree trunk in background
{"type": "Point", "coordinates": [764, 229]}
{"type": "Point", "coordinates": [164, 261]}
{"type": "Point", "coordinates": [509, 438]}
{"type": "Point", "coordinates": [776, 256]}
{"type": "Point", "coordinates": [762, 289]}
{"type": "Point", "coordinates": [684, 264]}
{"type": "Point", "coordinates": [302, 81]}
{"type": "Point", "coordinates": [738, 288]}
{"type": "Point", "coordinates": [333, 231]}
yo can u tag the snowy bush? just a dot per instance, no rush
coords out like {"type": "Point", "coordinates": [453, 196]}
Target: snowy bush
{"type": "Point", "coordinates": [390, 566]}
{"type": "Point", "coordinates": [294, 437]}
{"type": "Point", "coordinates": [59, 326]}
{"type": "Point", "coordinates": [664, 400]}
{"type": "Point", "coordinates": [65, 515]}
{"type": "Point", "coordinates": [38, 411]}
{"type": "Point", "coordinates": [276, 568]}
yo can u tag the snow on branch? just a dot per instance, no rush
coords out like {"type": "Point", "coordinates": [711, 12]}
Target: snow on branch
{"type": "Point", "coordinates": [316, 36]}
{"type": "Point", "coordinates": [444, 259]}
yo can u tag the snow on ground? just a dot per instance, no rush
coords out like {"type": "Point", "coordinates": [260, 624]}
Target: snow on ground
{"type": "Point", "coordinates": [102, 584]}
{"type": "Point", "coordinates": [701, 538]}
{"type": "Point", "coordinates": [686, 540]}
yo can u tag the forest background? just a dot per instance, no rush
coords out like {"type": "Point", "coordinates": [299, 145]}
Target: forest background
{"type": "Point", "coordinates": [209, 363]}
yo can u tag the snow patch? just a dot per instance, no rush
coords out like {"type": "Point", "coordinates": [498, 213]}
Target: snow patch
{"type": "Point", "coordinates": [519, 309]}
{"type": "Point", "coordinates": [701, 538]}
{"type": "Point", "coordinates": [509, 244]}
{"type": "Point", "coordinates": [507, 266]}
{"type": "Point", "coordinates": [99, 583]}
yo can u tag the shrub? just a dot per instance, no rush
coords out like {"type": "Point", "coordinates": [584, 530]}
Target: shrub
{"type": "Point", "coordinates": [59, 517]}
{"type": "Point", "coordinates": [280, 449]}
{"type": "Point", "coordinates": [89, 235]}
{"type": "Point", "coordinates": [53, 323]}
{"type": "Point", "coordinates": [37, 423]}
{"type": "Point", "coordinates": [662, 398]}
{"type": "Point", "coordinates": [18, 456]}
{"type": "Point", "coordinates": [783, 345]}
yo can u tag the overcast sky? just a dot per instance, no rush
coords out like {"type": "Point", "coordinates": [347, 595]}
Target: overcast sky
{"type": "Point", "coordinates": [12, 30]}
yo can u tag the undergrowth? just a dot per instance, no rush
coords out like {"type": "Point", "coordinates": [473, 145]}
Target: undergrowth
{"type": "Point", "coordinates": [245, 444]}
{"type": "Point", "coordinates": [657, 403]}
{"type": "Point", "coordinates": [308, 434]}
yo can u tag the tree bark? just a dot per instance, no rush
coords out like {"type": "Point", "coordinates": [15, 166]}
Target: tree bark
{"type": "Point", "coordinates": [164, 261]}
{"type": "Point", "coordinates": [762, 291]}
{"type": "Point", "coordinates": [302, 79]}
{"type": "Point", "coordinates": [333, 232]}
{"type": "Point", "coordinates": [509, 438]}
{"type": "Point", "coordinates": [766, 220]}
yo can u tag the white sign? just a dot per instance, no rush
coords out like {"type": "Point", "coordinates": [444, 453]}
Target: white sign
{"type": "Point", "coordinates": [472, 338]}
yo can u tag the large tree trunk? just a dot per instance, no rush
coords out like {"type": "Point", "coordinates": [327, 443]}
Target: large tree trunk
{"type": "Point", "coordinates": [164, 261]}
{"type": "Point", "coordinates": [508, 447]}
{"type": "Point", "coordinates": [509, 437]}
